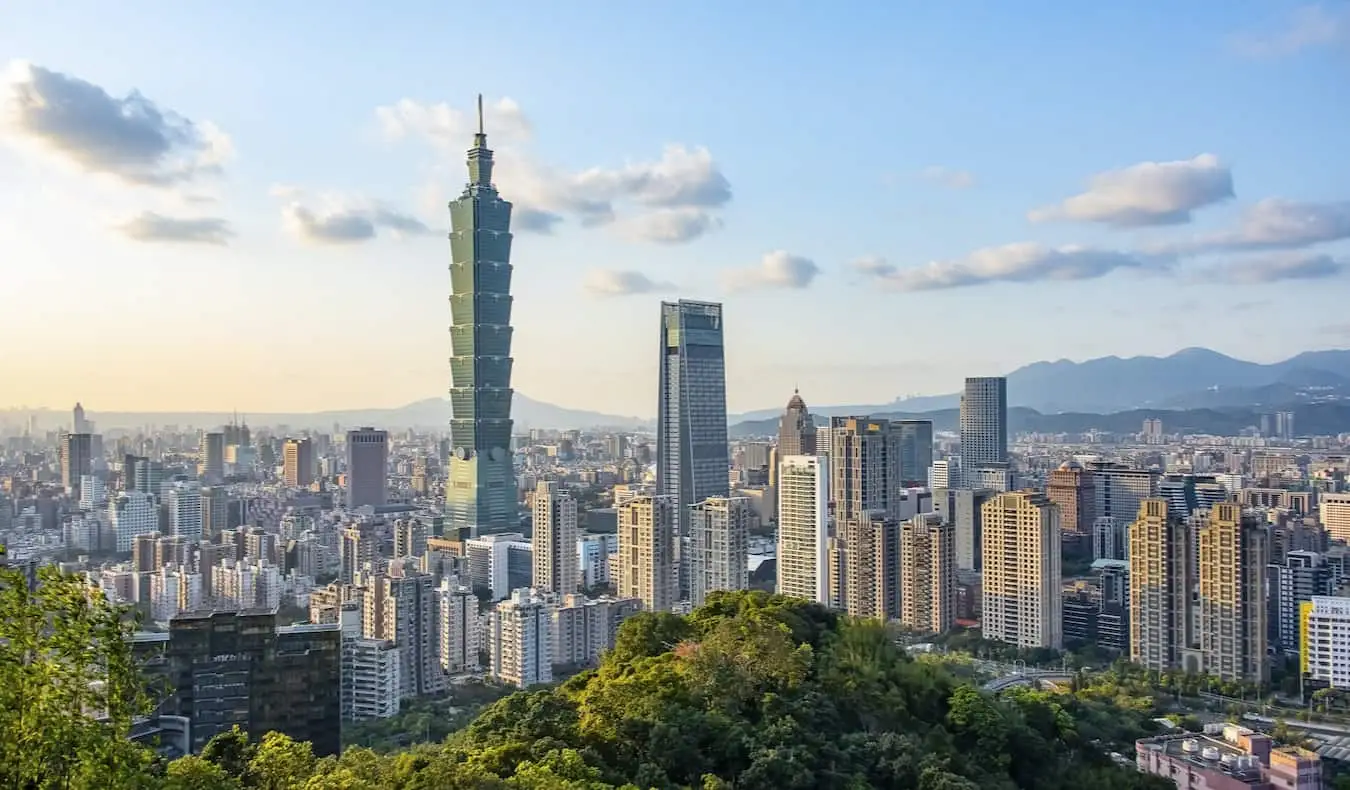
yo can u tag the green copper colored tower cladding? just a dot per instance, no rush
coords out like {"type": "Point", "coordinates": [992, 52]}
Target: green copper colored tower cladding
{"type": "Point", "coordinates": [481, 488]}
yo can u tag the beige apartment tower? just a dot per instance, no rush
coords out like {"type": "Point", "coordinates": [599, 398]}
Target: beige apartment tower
{"type": "Point", "coordinates": [803, 527]}
{"type": "Point", "coordinates": [297, 459]}
{"type": "Point", "coordinates": [1234, 552]}
{"type": "Point", "coordinates": [647, 559]}
{"type": "Point", "coordinates": [871, 567]}
{"type": "Point", "coordinates": [865, 468]}
{"type": "Point", "coordinates": [556, 565]}
{"type": "Point", "coordinates": [1160, 588]}
{"type": "Point", "coordinates": [719, 535]}
{"type": "Point", "coordinates": [1022, 602]}
{"type": "Point", "coordinates": [928, 574]}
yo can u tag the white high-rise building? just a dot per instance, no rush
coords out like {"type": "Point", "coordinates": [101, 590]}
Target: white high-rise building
{"type": "Point", "coordinates": [93, 493]}
{"type": "Point", "coordinates": [719, 531]}
{"type": "Point", "coordinates": [520, 640]}
{"type": "Point", "coordinates": [647, 559]}
{"type": "Point", "coordinates": [593, 553]}
{"type": "Point", "coordinates": [583, 628]}
{"type": "Point", "coordinates": [174, 589]}
{"type": "Point", "coordinates": [82, 532]}
{"type": "Point", "coordinates": [1325, 636]}
{"type": "Point", "coordinates": [184, 500]}
{"type": "Point", "coordinates": [555, 540]}
{"type": "Point", "coordinates": [457, 628]}
{"type": "Point", "coordinates": [370, 671]}
{"type": "Point", "coordinates": [246, 584]}
{"type": "Point", "coordinates": [803, 526]}
{"type": "Point", "coordinates": [132, 513]}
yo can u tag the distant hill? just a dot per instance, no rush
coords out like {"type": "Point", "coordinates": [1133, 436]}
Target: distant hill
{"type": "Point", "coordinates": [429, 413]}
{"type": "Point", "coordinates": [1317, 418]}
{"type": "Point", "coordinates": [1191, 378]}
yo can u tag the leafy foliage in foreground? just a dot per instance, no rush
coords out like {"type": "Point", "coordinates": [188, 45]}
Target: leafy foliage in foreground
{"type": "Point", "coordinates": [751, 692]}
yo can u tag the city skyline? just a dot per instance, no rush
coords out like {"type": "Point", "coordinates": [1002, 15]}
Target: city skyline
{"type": "Point", "coordinates": [1123, 203]}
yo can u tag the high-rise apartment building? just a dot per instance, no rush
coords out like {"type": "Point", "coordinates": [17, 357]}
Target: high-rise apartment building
{"type": "Point", "coordinates": [961, 507]}
{"type": "Point", "coordinates": [357, 548]}
{"type": "Point", "coordinates": [228, 668]}
{"type": "Point", "coordinates": [1234, 552]}
{"type": "Point", "coordinates": [583, 628]}
{"type": "Point", "coordinates": [132, 513]}
{"type": "Point", "coordinates": [1296, 578]}
{"type": "Point", "coordinates": [480, 490]}
{"type": "Point", "coordinates": [401, 608]}
{"type": "Point", "coordinates": [367, 468]}
{"type": "Point", "coordinates": [719, 534]}
{"type": "Point", "coordinates": [796, 429]}
{"type": "Point", "coordinates": [869, 585]}
{"type": "Point", "coordinates": [297, 459]}
{"type": "Point", "coordinates": [1022, 600]}
{"type": "Point", "coordinates": [457, 615]}
{"type": "Point", "coordinates": [1160, 588]}
{"type": "Point", "coordinates": [984, 423]}
{"type": "Point", "coordinates": [1070, 487]}
{"type": "Point", "coordinates": [692, 455]}
{"type": "Point", "coordinates": [76, 460]}
{"type": "Point", "coordinates": [555, 540]}
{"type": "Point", "coordinates": [1324, 640]}
{"type": "Point", "coordinates": [215, 511]}
{"type": "Point", "coordinates": [803, 527]}
{"type": "Point", "coordinates": [520, 640]}
{"type": "Point", "coordinates": [928, 574]}
{"type": "Point", "coordinates": [916, 451]}
{"type": "Point", "coordinates": [183, 499]}
{"type": "Point", "coordinates": [1334, 512]}
{"type": "Point", "coordinates": [864, 468]}
{"type": "Point", "coordinates": [647, 561]}
{"type": "Point", "coordinates": [410, 538]}
{"type": "Point", "coordinates": [211, 458]}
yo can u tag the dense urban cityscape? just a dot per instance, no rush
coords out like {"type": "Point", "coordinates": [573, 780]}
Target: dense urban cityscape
{"type": "Point", "coordinates": [999, 588]}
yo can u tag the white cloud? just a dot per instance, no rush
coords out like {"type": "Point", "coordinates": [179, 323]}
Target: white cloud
{"type": "Point", "coordinates": [149, 226]}
{"type": "Point", "coordinates": [1308, 27]}
{"type": "Point", "coordinates": [1020, 262]}
{"type": "Point", "coordinates": [607, 283]}
{"type": "Point", "coordinates": [947, 177]}
{"type": "Point", "coordinates": [129, 137]}
{"type": "Point", "coordinates": [1149, 193]}
{"type": "Point", "coordinates": [873, 266]}
{"type": "Point", "coordinates": [340, 219]}
{"type": "Point", "coordinates": [776, 270]}
{"type": "Point", "coordinates": [667, 200]}
{"type": "Point", "coordinates": [1277, 268]}
{"type": "Point", "coordinates": [1272, 224]}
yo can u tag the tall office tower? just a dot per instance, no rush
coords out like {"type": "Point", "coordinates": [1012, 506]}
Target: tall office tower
{"type": "Point", "coordinates": [457, 628]}
{"type": "Point", "coordinates": [1118, 490]}
{"type": "Point", "coordinates": [1153, 431]}
{"type": "Point", "coordinates": [367, 468]}
{"type": "Point", "coordinates": [481, 491]}
{"type": "Point", "coordinates": [928, 573]}
{"type": "Point", "coordinates": [211, 458]}
{"type": "Point", "coordinates": [93, 493]}
{"type": "Point", "coordinates": [865, 468]}
{"type": "Point", "coordinates": [796, 429]}
{"type": "Point", "coordinates": [692, 456]}
{"type": "Point", "coordinates": [1333, 511]}
{"type": "Point", "coordinates": [401, 607]}
{"type": "Point", "coordinates": [356, 548]}
{"type": "Point", "coordinates": [803, 527]}
{"type": "Point", "coordinates": [1284, 425]}
{"type": "Point", "coordinates": [870, 583]}
{"type": "Point", "coordinates": [297, 459]}
{"type": "Point", "coordinates": [1070, 487]}
{"type": "Point", "coordinates": [1298, 577]}
{"type": "Point", "coordinates": [1234, 553]}
{"type": "Point", "coordinates": [1022, 600]}
{"type": "Point", "coordinates": [215, 511]}
{"type": "Point", "coordinates": [78, 423]}
{"type": "Point", "coordinates": [719, 554]}
{"type": "Point", "coordinates": [916, 451]}
{"type": "Point", "coordinates": [520, 640]}
{"type": "Point", "coordinates": [556, 566]}
{"type": "Point", "coordinates": [184, 501]}
{"type": "Point", "coordinates": [76, 460]}
{"type": "Point", "coordinates": [132, 514]}
{"type": "Point", "coordinates": [149, 476]}
{"type": "Point", "coordinates": [1160, 588]}
{"type": "Point", "coordinates": [240, 668]}
{"type": "Point", "coordinates": [824, 439]}
{"type": "Point", "coordinates": [410, 538]}
{"type": "Point", "coordinates": [1186, 494]}
{"type": "Point", "coordinates": [647, 562]}
{"type": "Point", "coordinates": [984, 423]}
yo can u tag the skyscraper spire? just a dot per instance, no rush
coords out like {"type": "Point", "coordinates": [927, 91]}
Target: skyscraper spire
{"type": "Point", "coordinates": [481, 133]}
{"type": "Point", "coordinates": [480, 156]}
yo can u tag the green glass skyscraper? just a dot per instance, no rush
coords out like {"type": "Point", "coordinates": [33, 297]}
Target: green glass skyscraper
{"type": "Point", "coordinates": [481, 489]}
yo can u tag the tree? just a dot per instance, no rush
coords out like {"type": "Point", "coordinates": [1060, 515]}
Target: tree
{"type": "Point", "coordinates": [70, 689]}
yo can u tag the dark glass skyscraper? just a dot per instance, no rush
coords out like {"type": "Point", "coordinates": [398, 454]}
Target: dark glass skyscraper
{"type": "Point", "coordinates": [481, 490]}
{"type": "Point", "coordinates": [692, 457]}
{"type": "Point", "coordinates": [984, 425]}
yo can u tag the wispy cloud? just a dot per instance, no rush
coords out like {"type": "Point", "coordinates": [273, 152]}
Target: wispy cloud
{"type": "Point", "coordinates": [606, 283]}
{"type": "Point", "coordinates": [333, 219]}
{"type": "Point", "coordinates": [778, 270]}
{"type": "Point", "coordinates": [947, 177]}
{"type": "Point", "coordinates": [1307, 27]}
{"type": "Point", "coordinates": [1272, 224]}
{"type": "Point", "coordinates": [1149, 193]}
{"type": "Point", "coordinates": [130, 137]}
{"type": "Point", "coordinates": [1277, 268]}
{"type": "Point", "coordinates": [1021, 262]}
{"type": "Point", "coordinates": [149, 226]}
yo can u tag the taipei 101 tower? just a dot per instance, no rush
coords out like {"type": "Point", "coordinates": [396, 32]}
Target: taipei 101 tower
{"type": "Point", "coordinates": [480, 492]}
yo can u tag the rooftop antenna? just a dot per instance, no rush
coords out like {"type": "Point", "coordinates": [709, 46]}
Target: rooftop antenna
{"type": "Point", "coordinates": [480, 113]}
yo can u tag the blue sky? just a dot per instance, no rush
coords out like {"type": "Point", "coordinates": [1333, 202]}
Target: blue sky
{"type": "Point", "coordinates": [829, 172]}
